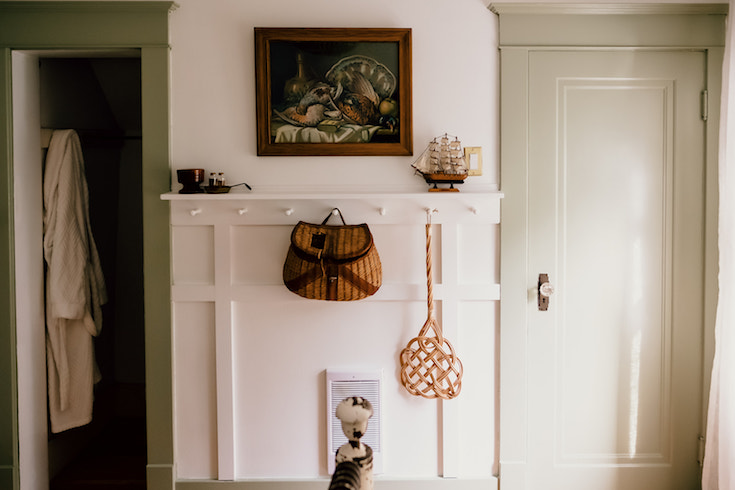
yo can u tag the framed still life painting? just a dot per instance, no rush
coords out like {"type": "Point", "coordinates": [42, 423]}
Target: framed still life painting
{"type": "Point", "coordinates": [333, 91]}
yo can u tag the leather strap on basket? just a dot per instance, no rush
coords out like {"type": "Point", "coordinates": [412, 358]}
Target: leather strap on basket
{"type": "Point", "coordinates": [331, 213]}
{"type": "Point", "coordinates": [343, 271]}
{"type": "Point", "coordinates": [429, 365]}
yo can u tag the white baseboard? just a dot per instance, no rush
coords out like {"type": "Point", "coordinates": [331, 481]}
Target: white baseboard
{"type": "Point", "coordinates": [323, 484]}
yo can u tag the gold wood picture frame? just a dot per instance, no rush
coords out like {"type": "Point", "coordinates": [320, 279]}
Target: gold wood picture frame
{"type": "Point", "coordinates": [333, 91]}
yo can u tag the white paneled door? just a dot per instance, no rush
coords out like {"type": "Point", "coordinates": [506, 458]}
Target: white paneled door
{"type": "Point", "coordinates": [616, 208]}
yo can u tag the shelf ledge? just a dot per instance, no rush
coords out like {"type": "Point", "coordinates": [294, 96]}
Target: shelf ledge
{"type": "Point", "coordinates": [263, 208]}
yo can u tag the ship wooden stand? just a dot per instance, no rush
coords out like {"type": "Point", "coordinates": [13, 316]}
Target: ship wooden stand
{"type": "Point", "coordinates": [435, 179]}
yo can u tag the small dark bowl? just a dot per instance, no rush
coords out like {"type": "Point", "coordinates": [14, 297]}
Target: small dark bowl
{"type": "Point", "coordinates": [190, 178]}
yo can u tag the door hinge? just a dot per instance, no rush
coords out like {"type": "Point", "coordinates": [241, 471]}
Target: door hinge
{"type": "Point", "coordinates": [700, 450]}
{"type": "Point", "coordinates": [705, 104]}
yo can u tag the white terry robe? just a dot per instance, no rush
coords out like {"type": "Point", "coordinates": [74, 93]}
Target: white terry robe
{"type": "Point", "coordinates": [75, 288]}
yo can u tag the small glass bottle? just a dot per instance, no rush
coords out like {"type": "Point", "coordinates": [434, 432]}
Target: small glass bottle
{"type": "Point", "coordinates": [212, 179]}
{"type": "Point", "coordinates": [220, 179]}
{"type": "Point", "coordinates": [296, 87]}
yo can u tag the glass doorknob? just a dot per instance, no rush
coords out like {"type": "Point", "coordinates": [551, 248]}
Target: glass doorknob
{"type": "Point", "coordinates": [546, 289]}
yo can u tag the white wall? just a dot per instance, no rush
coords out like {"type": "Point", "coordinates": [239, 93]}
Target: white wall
{"type": "Point", "coordinates": [213, 85]}
{"type": "Point", "coordinates": [455, 68]}
{"type": "Point", "coordinates": [281, 346]}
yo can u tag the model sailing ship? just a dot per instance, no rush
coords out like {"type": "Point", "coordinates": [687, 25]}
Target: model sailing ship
{"type": "Point", "coordinates": [443, 162]}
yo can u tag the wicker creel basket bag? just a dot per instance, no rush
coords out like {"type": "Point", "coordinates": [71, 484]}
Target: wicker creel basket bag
{"type": "Point", "coordinates": [332, 262]}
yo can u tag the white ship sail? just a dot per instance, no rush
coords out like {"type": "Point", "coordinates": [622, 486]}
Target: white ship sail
{"type": "Point", "coordinates": [443, 159]}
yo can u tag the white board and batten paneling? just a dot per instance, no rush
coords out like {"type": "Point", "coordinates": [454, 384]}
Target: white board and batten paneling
{"type": "Point", "coordinates": [251, 371]}
{"type": "Point", "coordinates": [608, 162]}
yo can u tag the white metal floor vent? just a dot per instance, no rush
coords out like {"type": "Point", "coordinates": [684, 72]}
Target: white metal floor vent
{"type": "Point", "coordinates": [343, 384]}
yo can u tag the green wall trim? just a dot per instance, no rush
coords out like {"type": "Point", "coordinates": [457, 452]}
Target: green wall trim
{"type": "Point", "coordinates": [8, 476]}
{"type": "Point", "coordinates": [8, 360]}
{"type": "Point", "coordinates": [99, 6]}
{"type": "Point", "coordinates": [47, 25]}
{"type": "Point", "coordinates": [156, 255]}
{"type": "Point", "coordinates": [655, 25]}
{"type": "Point", "coordinates": [89, 26]}
{"type": "Point", "coordinates": [160, 476]}
{"type": "Point", "coordinates": [621, 8]}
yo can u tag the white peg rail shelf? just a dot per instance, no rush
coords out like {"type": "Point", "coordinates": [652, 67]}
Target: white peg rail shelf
{"type": "Point", "coordinates": [254, 208]}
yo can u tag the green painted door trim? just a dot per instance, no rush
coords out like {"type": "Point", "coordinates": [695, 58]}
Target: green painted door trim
{"type": "Point", "coordinates": [43, 25]}
{"type": "Point", "coordinates": [8, 374]}
{"type": "Point", "coordinates": [97, 25]}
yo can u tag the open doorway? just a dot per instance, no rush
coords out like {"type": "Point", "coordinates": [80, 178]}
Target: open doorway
{"type": "Point", "coordinates": [100, 98]}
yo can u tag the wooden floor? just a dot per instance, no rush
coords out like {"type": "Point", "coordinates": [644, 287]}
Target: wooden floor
{"type": "Point", "coordinates": [115, 460]}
